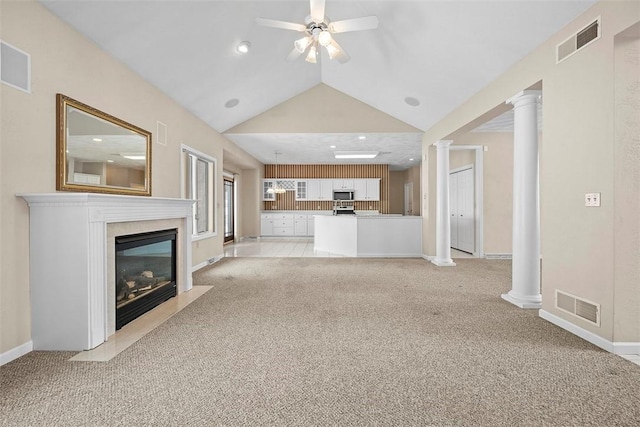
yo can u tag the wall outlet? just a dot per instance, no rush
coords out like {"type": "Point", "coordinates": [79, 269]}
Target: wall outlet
{"type": "Point", "coordinates": [592, 199]}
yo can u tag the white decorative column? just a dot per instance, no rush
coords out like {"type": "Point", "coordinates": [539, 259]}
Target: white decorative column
{"type": "Point", "coordinates": [443, 220]}
{"type": "Point", "coordinates": [525, 292]}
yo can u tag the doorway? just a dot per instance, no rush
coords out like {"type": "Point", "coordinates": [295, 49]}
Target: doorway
{"type": "Point", "coordinates": [408, 198]}
{"type": "Point", "coordinates": [229, 235]}
{"type": "Point", "coordinates": [462, 207]}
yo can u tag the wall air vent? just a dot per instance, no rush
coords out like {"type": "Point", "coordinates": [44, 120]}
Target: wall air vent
{"type": "Point", "coordinates": [15, 67]}
{"type": "Point", "coordinates": [578, 307]}
{"type": "Point", "coordinates": [577, 41]}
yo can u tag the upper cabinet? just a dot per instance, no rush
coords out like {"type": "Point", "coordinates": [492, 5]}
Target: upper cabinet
{"type": "Point", "coordinates": [367, 189]}
{"type": "Point", "coordinates": [343, 184]}
{"type": "Point", "coordinates": [266, 195]}
{"type": "Point", "coordinates": [301, 190]}
{"type": "Point", "coordinates": [322, 189]}
{"type": "Point", "coordinates": [319, 189]}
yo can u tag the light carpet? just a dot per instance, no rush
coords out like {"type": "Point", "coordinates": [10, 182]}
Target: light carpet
{"type": "Point", "coordinates": [336, 341]}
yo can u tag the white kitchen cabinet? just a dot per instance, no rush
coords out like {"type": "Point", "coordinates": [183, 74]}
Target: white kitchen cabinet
{"type": "Point", "coordinates": [266, 225]}
{"type": "Point", "coordinates": [301, 190]}
{"type": "Point", "coordinates": [320, 189]}
{"type": "Point", "coordinates": [343, 184]}
{"type": "Point", "coordinates": [373, 189]}
{"type": "Point", "coordinates": [283, 224]}
{"type": "Point", "coordinates": [266, 185]}
{"type": "Point", "coordinates": [310, 225]}
{"type": "Point", "coordinates": [367, 189]}
{"type": "Point", "coordinates": [300, 225]}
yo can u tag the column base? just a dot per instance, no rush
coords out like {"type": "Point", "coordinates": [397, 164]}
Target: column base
{"type": "Point", "coordinates": [443, 262]}
{"type": "Point", "coordinates": [528, 303]}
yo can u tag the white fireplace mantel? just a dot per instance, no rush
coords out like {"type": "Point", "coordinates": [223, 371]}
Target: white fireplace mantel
{"type": "Point", "coordinates": [68, 261]}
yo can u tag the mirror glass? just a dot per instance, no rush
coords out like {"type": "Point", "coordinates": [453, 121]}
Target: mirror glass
{"type": "Point", "coordinates": [100, 153]}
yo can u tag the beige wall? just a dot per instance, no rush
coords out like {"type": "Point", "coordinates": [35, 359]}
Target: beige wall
{"type": "Point", "coordinates": [326, 110]}
{"type": "Point", "coordinates": [577, 157]}
{"type": "Point", "coordinates": [397, 181]}
{"type": "Point", "coordinates": [412, 175]}
{"type": "Point", "coordinates": [396, 192]}
{"type": "Point", "coordinates": [497, 184]}
{"type": "Point", "coordinates": [626, 251]}
{"type": "Point", "coordinates": [62, 61]}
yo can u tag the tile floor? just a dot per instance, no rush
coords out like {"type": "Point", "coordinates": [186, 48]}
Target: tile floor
{"type": "Point", "coordinates": [275, 247]}
{"type": "Point", "coordinates": [284, 247]}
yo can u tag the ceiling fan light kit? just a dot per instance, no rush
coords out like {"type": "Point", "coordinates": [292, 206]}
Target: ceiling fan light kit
{"type": "Point", "coordinates": [320, 30]}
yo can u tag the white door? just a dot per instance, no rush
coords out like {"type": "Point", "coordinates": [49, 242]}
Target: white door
{"type": "Point", "coordinates": [408, 198]}
{"type": "Point", "coordinates": [461, 200]}
{"type": "Point", "coordinates": [466, 219]}
{"type": "Point", "coordinates": [453, 207]}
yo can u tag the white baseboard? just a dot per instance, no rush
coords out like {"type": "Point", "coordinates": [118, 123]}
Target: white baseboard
{"type": "Point", "coordinates": [611, 347]}
{"type": "Point", "coordinates": [207, 262]}
{"type": "Point", "coordinates": [498, 256]}
{"type": "Point", "coordinates": [16, 352]}
{"type": "Point", "coordinates": [428, 257]}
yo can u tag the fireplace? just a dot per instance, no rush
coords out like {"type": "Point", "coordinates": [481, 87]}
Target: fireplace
{"type": "Point", "coordinates": [145, 265]}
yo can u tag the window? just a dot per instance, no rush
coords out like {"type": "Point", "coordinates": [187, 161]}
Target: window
{"type": "Point", "coordinates": [199, 172]}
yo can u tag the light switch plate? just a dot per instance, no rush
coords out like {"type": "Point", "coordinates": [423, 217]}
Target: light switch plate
{"type": "Point", "coordinates": [592, 199]}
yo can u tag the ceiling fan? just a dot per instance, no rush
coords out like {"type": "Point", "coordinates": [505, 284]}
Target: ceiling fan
{"type": "Point", "coordinates": [319, 31]}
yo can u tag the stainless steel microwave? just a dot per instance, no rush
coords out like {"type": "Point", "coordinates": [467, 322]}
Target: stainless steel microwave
{"type": "Point", "coordinates": [344, 194]}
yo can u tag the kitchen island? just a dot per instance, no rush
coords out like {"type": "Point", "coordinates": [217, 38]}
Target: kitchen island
{"type": "Point", "coordinates": [369, 235]}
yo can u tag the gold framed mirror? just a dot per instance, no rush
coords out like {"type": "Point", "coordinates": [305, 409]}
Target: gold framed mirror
{"type": "Point", "coordinates": [99, 153]}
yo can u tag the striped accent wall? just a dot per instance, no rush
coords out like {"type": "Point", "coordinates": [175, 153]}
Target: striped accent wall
{"type": "Point", "coordinates": [287, 200]}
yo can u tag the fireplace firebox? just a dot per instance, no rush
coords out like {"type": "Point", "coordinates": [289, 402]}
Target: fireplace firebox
{"type": "Point", "coordinates": [145, 273]}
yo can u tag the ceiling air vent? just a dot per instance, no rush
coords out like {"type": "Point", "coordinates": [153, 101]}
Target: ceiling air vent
{"type": "Point", "coordinates": [577, 41]}
{"type": "Point", "coordinates": [578, 307]}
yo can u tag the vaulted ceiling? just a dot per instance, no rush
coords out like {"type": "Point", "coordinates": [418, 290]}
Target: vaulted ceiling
{"type": "Point", "coordinates": [435, 54]}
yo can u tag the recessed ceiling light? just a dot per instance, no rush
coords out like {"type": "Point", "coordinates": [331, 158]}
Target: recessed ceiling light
{"type": "Point", "coordinates": [232, 103]}
{"type": "Point", "coordinates": [362, 137]}
{"type": "Point", "coordinates": [332, 146]}
{"type": "Point", "coordinates": [109, 161]}
{"type": "Point", "coordinates": [412, 101]}
{"type": "Point", "coordinates": [243, 47]}
{"type": "Point", "coordinates": [411, 160]}
{"type": "Point", "coordinates": [355, 154]}
{"type": "Point", "coordinates": [97, 139]}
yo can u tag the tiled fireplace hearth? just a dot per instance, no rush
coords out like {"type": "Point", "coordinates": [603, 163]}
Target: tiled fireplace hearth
{"type": "Point", "coordinates": [72, 240]}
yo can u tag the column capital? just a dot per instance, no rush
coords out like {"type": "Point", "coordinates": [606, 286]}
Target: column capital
{"type": "Point", "coordinates": [443, 143]}
{"type": "Point", "coordinates": [526, 96]}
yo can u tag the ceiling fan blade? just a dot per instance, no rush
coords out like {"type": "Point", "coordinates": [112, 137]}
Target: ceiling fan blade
{"type": "Point", "coordinates": [294, 54]}
{"type": "Point", "coordinates": [317, 10]}
{"type": "Point", "coordinates": [339, 54]}
{"type": "Point", "coordinates": [355, 24]}
{"type": "Point", "coordinates": [280, 24]}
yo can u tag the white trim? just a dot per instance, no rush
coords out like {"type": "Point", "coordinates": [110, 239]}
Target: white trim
{"type": "Point", "coordinates": [199, 266]}
{"type": "Point", "coordinates": [478, 180]}
{"type": "Point", "coordinates": [626, 348]}
{"type": "Point", "coordinates": [203, 236]}
{"type": "Point", "coordinates": [498, 256]}
{"type": "Point", "coordinates": [16, 352]}
{"type": "Point", "coordinates": [210, 261]}
{"type": "Point", "coordinates": [611, 347]}
{"type": "Point", "coordinates": [185, 149]}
